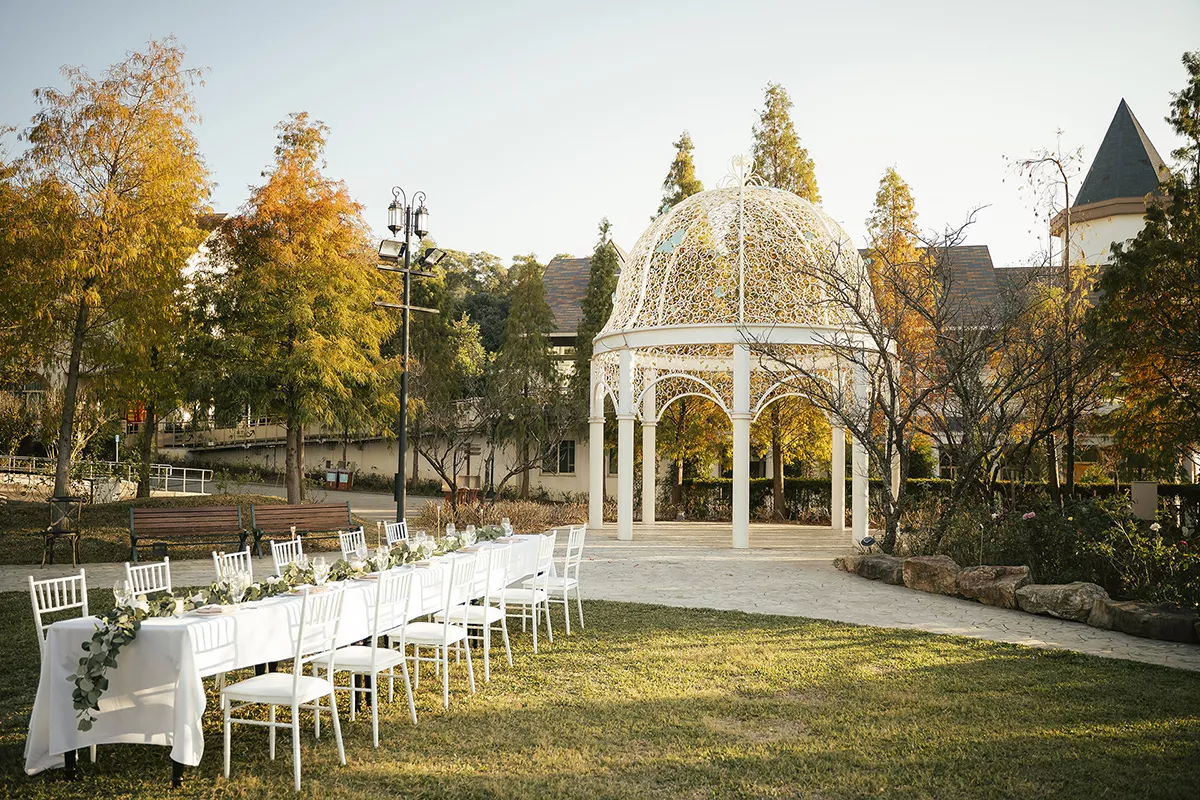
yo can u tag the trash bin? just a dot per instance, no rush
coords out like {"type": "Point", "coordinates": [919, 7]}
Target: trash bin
{"type": "Point", "coordinates": [345, 479]}
{"type": "Point", "coordinates": [331, 479]}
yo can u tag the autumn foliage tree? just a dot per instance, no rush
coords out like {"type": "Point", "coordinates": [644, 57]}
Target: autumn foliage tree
{"type": "Point", "coordinates": [681, 181]}
{"type": "Point", "coordinates": [108, 192]}
{"type": "Point", "coordinates": [287, 305]}
{"type": "Point", "coordinates": [779, 159]}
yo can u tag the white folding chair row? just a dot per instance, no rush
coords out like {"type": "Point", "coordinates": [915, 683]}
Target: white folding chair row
{"type": "Point", "coordinates": [316, 639]}
{"type": "Point", "coordinates": [387, 619]}
{"type": "Point", "coordinates": [287, 552]}
{"type": "Point", "coordinates": [55, 596]}
{"type": "Point", "coordinates": [395, 531]}
{"type": "Point", "coordinates": [353, 542]}
{"type": "Point", "coordinates": [224, 564]}
{"type": "Point", "coordinates": [529, 603]}
{"type": "Point", "coordinates": [488, 585]}
{"type": "Point", "coordinates": [451, 630]}
{"type": "Point", "coordinates": [147, 578]}
{"type": "Point", "coordinates": [560, 587]}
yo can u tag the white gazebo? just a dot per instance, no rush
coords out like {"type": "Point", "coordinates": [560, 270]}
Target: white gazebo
{"type": "Point", "coordinates": [709, 288]}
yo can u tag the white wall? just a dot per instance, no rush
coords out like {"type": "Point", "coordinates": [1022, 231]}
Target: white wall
{"type": "Point", "coordinates": [1093, 237]}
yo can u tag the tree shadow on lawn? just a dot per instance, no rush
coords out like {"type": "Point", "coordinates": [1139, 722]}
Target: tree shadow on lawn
{"type": "Point", "coordinates": [652, 701]}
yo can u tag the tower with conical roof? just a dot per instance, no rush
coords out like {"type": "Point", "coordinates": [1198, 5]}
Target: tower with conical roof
{"type": "Point", "coordinates": [1111, 204]}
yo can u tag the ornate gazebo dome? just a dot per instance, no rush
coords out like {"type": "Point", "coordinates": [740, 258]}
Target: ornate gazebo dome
{"type": "Point", "coordinates": [739, 255]}
{"type": "Point", "coordinates": [711, 298]}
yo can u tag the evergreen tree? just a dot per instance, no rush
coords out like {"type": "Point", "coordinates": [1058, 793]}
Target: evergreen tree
{"type": "Point", "coordinates": [778, 157]}
{"type": "Point", "coordinates": [681, 181]}
{"type": "Point", "coordinates": [1148, 298]}
{"type": "Point", "coordinates": [596, 308]}
{"type": "Point", "coordinates": [525, 377]}
{"type": "Point", "coordinates": [892, 258]}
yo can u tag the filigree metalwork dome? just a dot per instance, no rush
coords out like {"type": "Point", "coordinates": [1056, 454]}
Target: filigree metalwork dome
{"type": "Point", "coordinates": [737, 255]}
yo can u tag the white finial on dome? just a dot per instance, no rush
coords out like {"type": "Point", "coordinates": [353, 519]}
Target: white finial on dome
{"type": "Point", "coordinates": [741, 173]}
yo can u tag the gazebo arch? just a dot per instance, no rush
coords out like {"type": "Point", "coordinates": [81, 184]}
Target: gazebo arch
{"type": "Point", "coordinates": [708, 292]}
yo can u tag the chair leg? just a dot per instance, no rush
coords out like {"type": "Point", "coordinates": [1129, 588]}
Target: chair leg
{"type": "Point", "coordinates": [92, 753]}
{"type": "Point", "coordinates": [391, 684]}
{"type": "Point", "coordinates": [445, 664]}
{"type": "Point", "coordinates": [470, 669]}
{"type": "Point", "coordinates": [228, 725]}
{"type": "Point", "coordinates": [487, 649]}
{"type": "Point", "coordinates": [375, 710]}
{"type": "Point", "coordinates": [416, 666]}
{"type": "Point", "coordinates": [549, 626]}
{"type": "Point", "coordinates": [507, 646]}
{"type": "Point", "coordinates": [408, 689]}
{"type": "Point", "coordinates": [271, 732]}
{"type": "Point", "coordinates": [579, 605]}
{"type": "Point", "coordinates": [567, 608]}
{"type": "Point", "coordinates": [295, 744]}
{"type": "Point", "coordinates": [317, 704]}
{"type": "Point", "coordinates": [337, 730]}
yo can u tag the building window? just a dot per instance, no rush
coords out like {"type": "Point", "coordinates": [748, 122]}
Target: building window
{"type": "Point", "coordinates": [560, 460]}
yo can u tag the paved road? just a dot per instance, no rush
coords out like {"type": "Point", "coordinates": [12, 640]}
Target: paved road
{"type": "Point", "coordinates": [369, 505]}
{"type": "Point", "coordinates": [788, 572]}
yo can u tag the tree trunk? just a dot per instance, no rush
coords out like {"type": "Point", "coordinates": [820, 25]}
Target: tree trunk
{"type": "Point", "coordinates": [149, 425]}
{"type": "Point", "coordinates": [677, 484]}
{"type": "Point", "coordinates": [62, 466]}
{"type": "Point", "coordinates": [1052, 470]}
{"type": "Point", "coordinates": [293, 464]}
{"type": "Point", "coordinates": [776, 464]}
{"type": "Point", "coordinates": [524, 472]}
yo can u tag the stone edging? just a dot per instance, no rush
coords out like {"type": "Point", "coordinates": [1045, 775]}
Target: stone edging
{"type": "Point", "coordinates": [1013, 587]}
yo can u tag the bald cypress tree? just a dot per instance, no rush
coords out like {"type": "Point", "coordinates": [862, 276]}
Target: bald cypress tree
{"type": "Point", "coordinates": [596, 308]}
{"type": "Point", "coordinates": [778, 157]}
{"type": "Point", "coordinates": [681, 181]}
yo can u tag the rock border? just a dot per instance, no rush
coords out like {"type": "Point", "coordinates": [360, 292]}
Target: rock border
{"type": "Point", "coordinates": [1013, 587]}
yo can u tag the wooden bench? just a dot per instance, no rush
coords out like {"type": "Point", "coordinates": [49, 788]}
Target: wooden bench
{"type": "Point", "coordinates": [327, 518]}
{"type": "Point", "coordinates": [197, 525]}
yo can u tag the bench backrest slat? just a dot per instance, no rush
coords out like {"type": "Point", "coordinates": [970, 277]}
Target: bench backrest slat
{"type": "Point", "coordinates": [306, 518]}
{"type": "Point", "coordinates": [199, 520]}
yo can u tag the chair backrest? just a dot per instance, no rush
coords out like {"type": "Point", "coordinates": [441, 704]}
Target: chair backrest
{"type": "Point", "coordinates": [391, 607]}
{"type": "Point", "coordinates": [395, 531]}
{"type": "Point", "coordinates": [55, 595]}
{"type": "Point", "coordinates": [458, 589]}
{"type": "Point", "coordinates": [482, 577]}
{"type": "Point", "coordinates": [352, 542]}
{"type": "Point", "coordinates": [316, 636]}
{"type": "Point", "coordinates": [147, 578]}
{"type": "Point", "coordinates": [226, 563]}
{"type": "Point", "coordinates": [500, 558]}
{"type": "Point", "coordinates": [545, 558]}
{"type": "Point", "coordinates": [286, 552]}
{"type": "Point", "coordinates": [574, 556]}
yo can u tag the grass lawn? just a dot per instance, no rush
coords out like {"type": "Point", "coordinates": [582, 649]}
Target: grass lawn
{"type": "Point", "coordinates": [106, 529]}
{"type": "Point", "coordinates": [662, 702]}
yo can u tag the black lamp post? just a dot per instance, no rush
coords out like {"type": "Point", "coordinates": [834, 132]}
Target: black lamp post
{"type": "Point", "coordinates": [412, 219]}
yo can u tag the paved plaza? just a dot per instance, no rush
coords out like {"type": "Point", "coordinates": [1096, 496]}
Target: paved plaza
{"type": "Point", "coordinates": [787, 570]}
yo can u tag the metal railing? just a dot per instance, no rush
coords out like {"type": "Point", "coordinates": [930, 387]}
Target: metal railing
{"type": "Point", "coordinates": [166, 477]}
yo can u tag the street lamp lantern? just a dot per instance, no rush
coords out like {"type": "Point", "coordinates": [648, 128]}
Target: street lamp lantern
{"type": "Point", "coordinates": [421, 221]}
{"type": "Point", "coordinates": [394, 212]}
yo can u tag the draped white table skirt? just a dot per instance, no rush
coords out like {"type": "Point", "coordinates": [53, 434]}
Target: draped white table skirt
{"type": "Point", "coordinates": [155, 694]}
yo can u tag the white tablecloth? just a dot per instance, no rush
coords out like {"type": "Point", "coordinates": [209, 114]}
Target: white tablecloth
{"type": "Point", "coordinates": [155, 694]}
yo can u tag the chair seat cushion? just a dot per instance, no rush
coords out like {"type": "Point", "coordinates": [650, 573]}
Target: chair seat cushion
{"type": "Point", "coordinates": [476, 615]}
{"type": "Point", "coordinates": [433, 633]}
{"type": "Point", "coordinates": [276, 687]}
{"type": "Point", "coordinates": [552, 583]}
{"type": "Point", "coordinates": [524, 597]}
{"type": "Point", "coordinates": [357, 658]}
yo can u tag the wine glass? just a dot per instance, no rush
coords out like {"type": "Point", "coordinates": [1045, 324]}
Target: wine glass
{"type": "Point", "coordinates": [450, 529]}
{"type": "Point", "coordinates": [122, 593]}
{"type": "Point", "coordinates": [427, 548]}
{"type": "Point", "coordinates": [470, 536]}
{"type": "Point", "coordinates": [507, 525]}
{"type": "Point", "coordinates": [320, 568]}
{"type": "Point", "coordinates": [360, 552]}
{"type": "Point", "coordinates": [382, 557]}
{"type": "Point", "coordinates": [237, 583]}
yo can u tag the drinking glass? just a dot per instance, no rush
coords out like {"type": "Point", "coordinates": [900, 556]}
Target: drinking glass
{"type": "Point", "coordinates": [122, 593]}
{"type": "Point", "coordinates": [470, 536]}
{"type": "Point", "coordinates": [360, 552]}
{"type": "Point", "coordinates": [450, 529]}
{"type": "Point", "coordinates": [320, 569]}
{"type": "Point", "coordinates": [508, 528]}
{"type": "Point", "coordinates": [237, 583]}
{"type": "Point", "coordinates": [382, 557]}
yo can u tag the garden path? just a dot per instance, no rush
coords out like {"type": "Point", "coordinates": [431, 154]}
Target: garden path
{"type": "Point", "coordinates": [786, 571]}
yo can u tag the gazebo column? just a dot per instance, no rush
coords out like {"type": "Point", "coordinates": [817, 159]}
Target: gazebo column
{"type": "Point", "coordinates": [837, 489]}
{"type": "Point", "coordinates": [625, 417]}
{"type": "Point", "coordinates": [741, 446]}
{"type": "Point", "coordinates": [859, 468]}
{"type": "Point", "coordinates": [596, 456]}
{"type": "Point", "coordinates": [649, 450]}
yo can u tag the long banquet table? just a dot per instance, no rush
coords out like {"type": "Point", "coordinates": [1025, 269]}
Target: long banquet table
{"type": "Point", "coordinates": [155, 693]}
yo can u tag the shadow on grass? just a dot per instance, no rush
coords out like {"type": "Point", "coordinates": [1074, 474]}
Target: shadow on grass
{"type": "Point", "coordinates": [652, 701]}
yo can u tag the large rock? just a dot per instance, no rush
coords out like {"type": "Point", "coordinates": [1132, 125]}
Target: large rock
{"type": "Point", "coordinates": [936, 574]}
{"type": "Point", "coordinates": [1072, 601]}
{"type": "Point", "coordinates": [1144, 619]}
{"type": "Point", "coordinates": [877, 567]}
{"type": "Point", "coordinates": [993, 586]}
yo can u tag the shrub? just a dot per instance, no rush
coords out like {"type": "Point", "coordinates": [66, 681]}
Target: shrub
{"type": "Point", "coordinates": [526, 516]}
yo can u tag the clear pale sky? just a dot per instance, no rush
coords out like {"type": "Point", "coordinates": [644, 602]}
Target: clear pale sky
{"type": "Point", "coordinates": [526, 122]}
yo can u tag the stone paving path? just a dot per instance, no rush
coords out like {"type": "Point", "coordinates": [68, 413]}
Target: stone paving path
{"type": "Point", "coordinates": [788, 571]}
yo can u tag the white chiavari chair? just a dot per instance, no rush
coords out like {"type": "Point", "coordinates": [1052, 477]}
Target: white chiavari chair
{"type": "Point", "coordinates": [54, 596]}
{"type": "Point", "coordinates": [493, 571]}
{"type": "Point", "coordinates": [147, 578]}
{"type": "Point", "coordinates": [528, 604]}
{"type": "Point", "coordinates": [287, 552]}
{"type": "Point", "coordinates": [316, 640]}
{"type": "Point", "coordinates": [387, 617]}
{"type": "Point", "coordinates": [395, 531]}
{"type": "Point", "coordinates": [353, 542]}
{"type": "Point", "coordinates": [226, 563]}
{"type": "Point", "coordinates": [451, 630]}
{"type": "Point", "coordinates": [561, 586]}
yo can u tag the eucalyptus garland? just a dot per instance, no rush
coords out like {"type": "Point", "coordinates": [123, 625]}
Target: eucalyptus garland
{"type": "Point", "coordinates": [119, 626]}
